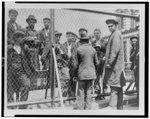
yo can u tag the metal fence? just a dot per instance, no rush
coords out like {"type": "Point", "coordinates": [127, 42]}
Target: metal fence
{"type": "Point", "coordinates": [56, 82]}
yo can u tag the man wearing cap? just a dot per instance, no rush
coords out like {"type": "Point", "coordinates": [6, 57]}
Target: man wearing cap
{"type": "Point", "coordinates": [12, 26]}
{"type": "Point", "coordinates": [59, 47]}
{"type": "Point", "coordinates": [134, 58]}
{"type": "Point", "coordinates": [75, 38]}
{"type": "Point", "coordinates": [33, 37]}
{"type": "Point", "coordinates": [20, 70]}
{"type": "Point", "coordinates": [45, 42]}
{"type": "Point", "coordinates": [69, 43]}
{"type": "Point", "coordinates": [45, 32]}
{"type": "Point", "coordinates": [114, 66]}
{"type": "Point", "coordinates": [30, 31]}
{"type": "Point", "coordinates": [62, 61]}
{"type": "Point", "coordinates": [86, 62]}
{"type": "Point", "coordinates": [70, 48]}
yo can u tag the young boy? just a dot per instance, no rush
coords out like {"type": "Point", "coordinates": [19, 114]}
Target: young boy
{"type": "Point", "coordinates": [12, 26]}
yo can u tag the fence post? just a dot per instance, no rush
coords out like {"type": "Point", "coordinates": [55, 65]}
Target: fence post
{"type": "Point", "coordinates": [52, 71]}
{"type": "Point", "coordinates": [57, 78]}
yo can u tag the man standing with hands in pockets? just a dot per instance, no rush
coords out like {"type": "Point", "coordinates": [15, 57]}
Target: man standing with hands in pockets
{"type": "Point", "coordinates": [114, 66]}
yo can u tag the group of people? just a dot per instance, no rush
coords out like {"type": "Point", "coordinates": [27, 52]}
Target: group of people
{"type": "Point", "coordinates": [83, 58]}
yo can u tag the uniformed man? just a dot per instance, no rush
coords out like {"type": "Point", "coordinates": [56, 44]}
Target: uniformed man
{"type": "Point", "coordinates": [114, 66]}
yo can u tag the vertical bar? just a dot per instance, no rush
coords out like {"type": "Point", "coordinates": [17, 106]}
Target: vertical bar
{"type": "Point", "coordinates": [93, 90]}
{"type": "Point", "coordinates": [76, 88]}
{"type": "Point", "coordinates": [4, 44]}
{"type": "Point", "coordinates": [57, 78]}
{"type": "Point", "coordinates": [52, 72]}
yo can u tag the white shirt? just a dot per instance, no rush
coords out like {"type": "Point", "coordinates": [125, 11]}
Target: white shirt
{"type": "Point", "coordinates": [46, 32]}
{"type": "Point", "coordinates": [69, 50]}
{"type": "Point", "coordinates": [17, 49]}
{"type": "Point", "coordinates": [15, 26]}
{"type": "Point", "coordinates": [61, 52]}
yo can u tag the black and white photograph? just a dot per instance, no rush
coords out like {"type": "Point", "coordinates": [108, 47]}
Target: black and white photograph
{"type": "Point", "coordinates": [74, 59]}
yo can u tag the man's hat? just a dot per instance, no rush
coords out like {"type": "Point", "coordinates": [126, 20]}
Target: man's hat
{"type": "Point", "coordinates": [71, 33]}
{"type": "Point", "coordinates": [15, 35]}
{"type": "Point", "coordinates": [111, 21]}
{"type": "Point", "coordinates": [84, 36]}
{"type": "Point", "coordinates": [58, 33]}
{"type": "Point", "coordinates": [134, 37]}
{"type": "Point", "coordinates": [18, 33]}
{"type": "Point", "coordinates": [31, 17]}
{"type": "Point", "coordinates": [13, 11]}
{"type": "Point", "coordinates": [46, 19]}
{"type": "Point", "coordinates": [83, 29]}
{"type": "Point", "coordinates": [97, 29]}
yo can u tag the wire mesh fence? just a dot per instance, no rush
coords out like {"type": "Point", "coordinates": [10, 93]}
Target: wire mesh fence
{"type": "Point", "coordinates": [28, 66]}
{"type": "Point", "coordinates": [27, 61]}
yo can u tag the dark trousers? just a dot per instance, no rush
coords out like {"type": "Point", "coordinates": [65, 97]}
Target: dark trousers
{"type": "Point", "coordinates": [84, 94]}
{"type": "Point", "coordinates": [34, 53]}
{"type": "Point", "coordinates": [99, 73]}
{"type": "Point", "coordinates": [45, 56]}
{"type": "Point", "coordinates": [136, 74]}
{"type": "Point", "coordinates": [116, 97]}
{"type": "Point", "coordinates": [72, 87]}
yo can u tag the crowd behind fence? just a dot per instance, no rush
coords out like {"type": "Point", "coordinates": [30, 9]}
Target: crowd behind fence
{"type": "Point", "coordinates": [37, 51]}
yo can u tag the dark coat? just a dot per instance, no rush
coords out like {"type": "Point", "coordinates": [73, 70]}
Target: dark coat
{"type": "Point", "coordinates": [44, 42]}
{"type": "Point", "coordinates": [26, 64]}
{"type": "Point", "coordinates": [30, 32]}
{"type": "Point", "coordinates": [44, 39]}
{"type": "Point", "coordinates": [71, 61]}
{"type": "Point", "coordinates": [134, 57]}
{"type": "Point", "coordinates": [73, 52]}
{"type": "Point", "coordinates": [34, 47]}
{"type": "Point", "coordinates": [73, 48]}
{"type": "Point", "coordinates": [11, 30]}
{"type": "Point", "coordinates": [86, 62]}
{"type": "Point", "coordinates": [114, 76]}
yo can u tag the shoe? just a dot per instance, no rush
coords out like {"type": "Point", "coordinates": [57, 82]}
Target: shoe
{"type": "Point", "coordinates": [120, 107]}
{"type": "Point", "coordinates": [75, 108]}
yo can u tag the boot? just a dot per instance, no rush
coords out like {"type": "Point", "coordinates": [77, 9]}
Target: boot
{"type": "Point", "coordinates": [120, 99]}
